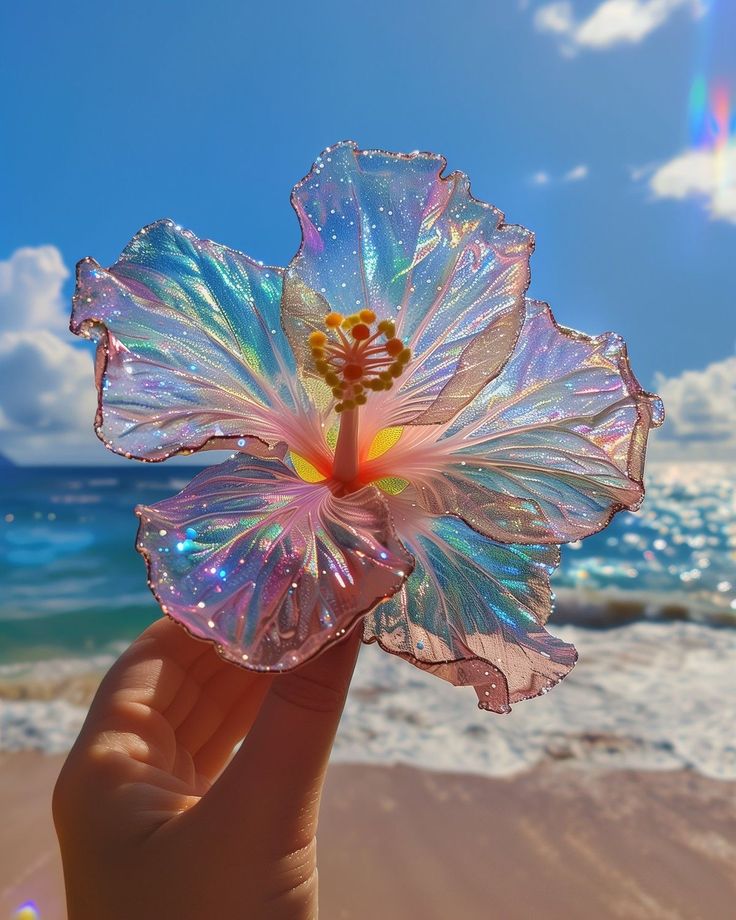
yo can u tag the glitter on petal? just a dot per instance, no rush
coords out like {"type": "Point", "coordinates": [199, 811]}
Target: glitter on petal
{"type": "Point", "coordinates": [473, 610]}
{"type": "Point", "coordinates": [419, 474]}
{"type": "Point", "coordinates": [279, 567]}
{"type": "Point", "coordinates": [389, 232]}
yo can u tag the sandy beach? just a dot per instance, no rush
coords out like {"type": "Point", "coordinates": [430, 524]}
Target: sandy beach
{"type": "Point", "coordinates": [398, 843]}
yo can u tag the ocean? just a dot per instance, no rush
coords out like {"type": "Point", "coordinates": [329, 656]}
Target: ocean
{"type": "Point", "coordinates": [650, 603]}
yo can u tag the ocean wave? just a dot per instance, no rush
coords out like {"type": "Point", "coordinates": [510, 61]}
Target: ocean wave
{"type": "Point", "coordinates": [645, 696]}
{"type": "Point", "coordinates": [612, 607]}
{"type": "Point", "coordinates": [74, 680]}
{"type": "Point", "coordinates": [649, 695]}
{"type": "Point", "coordinates": [48, 726]}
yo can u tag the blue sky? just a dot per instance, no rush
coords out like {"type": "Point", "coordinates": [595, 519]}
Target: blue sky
{"type": "Point", "coordinates": [116, 114]}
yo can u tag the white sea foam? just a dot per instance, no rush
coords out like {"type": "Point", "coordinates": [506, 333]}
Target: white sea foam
{"type": "Point", "coordinates": [42, 725]}
{"type": "Point", "coordinates": [53, 669]}
{"type": "Point", "coordinates": [647, 695]}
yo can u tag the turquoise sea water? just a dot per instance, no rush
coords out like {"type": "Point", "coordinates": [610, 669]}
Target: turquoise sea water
{"type": "Point", "coordinates": [71, 581]}
{"type": "Point", "coordinates": [650, 604]}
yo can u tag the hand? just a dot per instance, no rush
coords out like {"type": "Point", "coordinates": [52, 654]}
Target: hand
{"type": "Point", "coordinates": [153, 821]}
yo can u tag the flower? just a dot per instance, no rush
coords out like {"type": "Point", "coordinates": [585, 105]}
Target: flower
{"type": "Point", "coordinates": [412, 438]}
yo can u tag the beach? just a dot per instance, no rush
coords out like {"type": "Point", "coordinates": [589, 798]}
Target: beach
{"type": "Point", "coordinates": [400, 843]}
{"type": "Point", "coordinates": [613, 796]}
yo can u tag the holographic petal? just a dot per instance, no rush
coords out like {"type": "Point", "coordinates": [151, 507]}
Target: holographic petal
{"type": "Point", "coordinates": [268, 567]}
{"type": "Point", "coordinates": [473, 610]}
{"type": "Point", "coordinates": [548, 452]}
{"type": "Point", "coordinates": [385, 231]}
{"type": "Point", "coordinates": [190, 347]}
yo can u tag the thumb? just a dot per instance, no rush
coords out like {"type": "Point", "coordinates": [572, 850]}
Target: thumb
{"type": "Point", "coordinates": [275, 780]}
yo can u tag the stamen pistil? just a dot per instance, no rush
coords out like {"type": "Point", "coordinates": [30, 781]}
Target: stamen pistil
{"type": "Point", "coordinates": [349, 360]}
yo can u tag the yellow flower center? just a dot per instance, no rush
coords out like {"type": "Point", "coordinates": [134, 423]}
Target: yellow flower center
{"type": "Point", "coordinates": [356, 355]}
{"type": "Point", "coordinates": [382, 442]}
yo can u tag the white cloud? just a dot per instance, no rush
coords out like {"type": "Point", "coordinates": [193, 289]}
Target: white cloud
{"type": "Point", "coordinates": [31, 282]}
{"type": "Point", "coordinates": [701, 414]}
{"type": "Point", "coordinates": [557, 18]}
{"type": "Point", "coordinates": [576, 174]}
{"type": "Point", "coordinates": [47, 397]}
{"type": "Point", "coordinates": [708, 175]}
{"type": "Point", "coordinates": [613, 22]}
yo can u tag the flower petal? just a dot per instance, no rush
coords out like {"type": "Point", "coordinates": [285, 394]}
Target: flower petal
{"type": "Point", "coordinates": [473, 610]}
{"type": "Point", "coordinates": [549, 451]}
{"type": "Point", "coordinates": [267, 566]}
{"type": "Point", "coordinates": [385, 231]}
{"type": "Point", "coordinates": [190, 346]}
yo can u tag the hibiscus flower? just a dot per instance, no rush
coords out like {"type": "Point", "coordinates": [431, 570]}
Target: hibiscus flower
{"type": "Point", "coordinates": [411, 438]}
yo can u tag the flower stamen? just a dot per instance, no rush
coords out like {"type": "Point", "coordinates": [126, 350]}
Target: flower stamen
{"type": "Point", "coordinates": [351, 359]}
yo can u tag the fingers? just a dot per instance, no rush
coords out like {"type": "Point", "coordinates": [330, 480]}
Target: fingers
{"type": "Point", "coordinates": [169, 692]}
{"type": "Point", "coordinates": [214, 753]}
{"type": "Point", "coordinates": [152, 669]}
{"type": "Point", "coordinates": [274, 781]}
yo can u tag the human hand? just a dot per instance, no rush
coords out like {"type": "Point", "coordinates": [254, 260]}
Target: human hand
{"type": "Point", "coordinates": [152, 820]}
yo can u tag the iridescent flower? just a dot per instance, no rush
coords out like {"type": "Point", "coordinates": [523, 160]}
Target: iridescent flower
{"type": "Point", "coordinates": [411, 437]}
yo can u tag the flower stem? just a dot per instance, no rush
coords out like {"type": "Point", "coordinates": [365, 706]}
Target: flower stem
{"type": "Point", "coordinates": [345, 468]}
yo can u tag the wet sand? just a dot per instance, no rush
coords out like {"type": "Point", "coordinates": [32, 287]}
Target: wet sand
{"type": "Point", "coordinates": [398, 843]}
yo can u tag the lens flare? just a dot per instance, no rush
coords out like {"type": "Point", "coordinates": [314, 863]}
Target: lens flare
{"type": "Point", "coordinates": [27, 911]}
{"type": "Point", "coordinates": [712, 127]}
{"type": "Point", "coordinates": [712, 124]}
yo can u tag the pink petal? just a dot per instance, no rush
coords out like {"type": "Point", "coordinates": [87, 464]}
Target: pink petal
{"type": "Point", "coordinates": [473, 610]}
{"type": "Point", "coordinates": [190, 348]}
{"type": "Point", "coordinates": [268, 567]}
{"type": "Point", "coordinates": [385, 231]}
{"type": "Point", "coordinates": [549, 451]}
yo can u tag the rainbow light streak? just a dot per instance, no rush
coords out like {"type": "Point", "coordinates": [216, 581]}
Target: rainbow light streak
{"type": "Point", "coordinates": [712, 126]}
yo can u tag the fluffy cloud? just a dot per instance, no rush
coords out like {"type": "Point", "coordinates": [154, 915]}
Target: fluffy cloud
{"type": "Point", "coordinates": [540, 178]}
{"type": "Point", "coordinates": [708, 175]}
{"type": "Point", "coordinates": [701, 414]}
{"type": "Point", "coordinates": [613, 22]}
{"type": "Point", "coordinates": [31, 282]}
{"type": "Point", "coordinates": [47, 399]}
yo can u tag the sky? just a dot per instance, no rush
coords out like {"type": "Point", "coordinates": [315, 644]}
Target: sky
{"type": "Point", "coordinates": [605, 126]}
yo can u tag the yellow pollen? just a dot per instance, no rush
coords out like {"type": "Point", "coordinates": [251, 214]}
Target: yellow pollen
{"type": "Point", "coordinates": [366, 359]}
